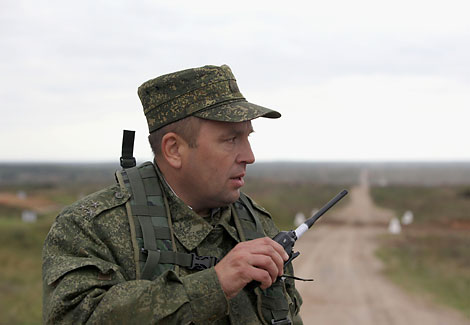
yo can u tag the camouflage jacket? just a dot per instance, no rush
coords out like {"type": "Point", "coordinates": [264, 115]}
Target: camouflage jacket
{"type": "Point", "coordinates": [89, 273]}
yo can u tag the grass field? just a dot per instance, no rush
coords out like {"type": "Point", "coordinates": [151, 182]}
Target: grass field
{"type": "Point", "coordinates": [285, 199]}
{"type": "Point", "coordinates": [432, 256]}
{"type": "Point", "coordinates": [21, 248]}
{"type": "Point", "coordinates": [20, 273]}
{"type": "Point", "coordinates": [444, 205]}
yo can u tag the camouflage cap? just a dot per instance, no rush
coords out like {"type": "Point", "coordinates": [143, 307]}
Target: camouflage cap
{"type": "Point", "coordinates": [209, 92]}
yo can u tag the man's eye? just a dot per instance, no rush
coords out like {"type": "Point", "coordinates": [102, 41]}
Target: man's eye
{"type": "Point", "coordinates": [232, 139]}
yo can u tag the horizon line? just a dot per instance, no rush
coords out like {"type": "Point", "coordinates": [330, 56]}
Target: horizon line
{"type": "Point", "coordinates": [332, 161]}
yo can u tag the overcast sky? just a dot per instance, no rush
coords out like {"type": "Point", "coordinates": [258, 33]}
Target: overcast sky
{"type": "Point", "coordinates": [354, 80]}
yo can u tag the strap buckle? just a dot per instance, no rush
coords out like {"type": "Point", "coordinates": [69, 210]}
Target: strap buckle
{"type": "Point", "coordinates": [202, 262]}
{"type": "Point", "coordinates": [285, 321]}
{"type": "Point", "coordinates": [127, 162]}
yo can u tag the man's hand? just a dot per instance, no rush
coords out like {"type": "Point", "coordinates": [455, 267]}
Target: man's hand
{"type": "Point", "coordinates": [260, 259]}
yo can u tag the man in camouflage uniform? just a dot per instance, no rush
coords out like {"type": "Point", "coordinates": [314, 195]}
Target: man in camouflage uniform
{"type": "Point", "coordinates": [199, 126]}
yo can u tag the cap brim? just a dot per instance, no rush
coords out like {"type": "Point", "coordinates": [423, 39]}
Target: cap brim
{"type": "Point", "coordinates": [236, 111]}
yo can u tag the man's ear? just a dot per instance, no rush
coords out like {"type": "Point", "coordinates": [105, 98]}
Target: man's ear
{"type": "Point", "coordinates": [172, 148]}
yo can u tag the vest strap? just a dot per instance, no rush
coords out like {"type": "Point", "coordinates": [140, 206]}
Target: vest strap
{"type": "Point", "coordinates": [153, 257]}
{"type": "Point", "coordinates": [272, 306]}
{"type": "Point", "coordinates": [148, 232]}
{"type": "Point", "coordinates": [190, 261]}
{"type": "Point", "coordinates": [285, 321]}
{"type": "Point", "coordinates": [259, 228]}
{"type": "Point", "coordinates": [145, 210]}
{"type": "Point", "coordinates": [138, 189]}
{"type": "Point", "coordinates": [152, 225]}
{"type": "Point", "coordinates": [160, 233]}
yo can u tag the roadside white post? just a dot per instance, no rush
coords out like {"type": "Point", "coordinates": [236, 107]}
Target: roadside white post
{"type": "Point", "coordinates": [407, 218]}
{"type": "Point", "coordinates": [394, 226]}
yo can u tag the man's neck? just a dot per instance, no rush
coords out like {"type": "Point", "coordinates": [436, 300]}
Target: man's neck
{"type": "Point", "coordinates": [168, 182]}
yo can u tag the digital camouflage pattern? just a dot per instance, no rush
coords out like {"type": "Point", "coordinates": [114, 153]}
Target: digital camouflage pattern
{"type": "Point", "coordinates": [89, 272]}
{"type": "Point", "coordinates": [209, 92]}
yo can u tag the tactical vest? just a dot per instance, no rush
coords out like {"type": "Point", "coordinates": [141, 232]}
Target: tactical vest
{"type": "Point", "coordinates": [154, 244]}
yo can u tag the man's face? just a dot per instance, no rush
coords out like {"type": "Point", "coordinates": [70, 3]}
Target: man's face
{"type": "Point", "coordinates": [213, 171]}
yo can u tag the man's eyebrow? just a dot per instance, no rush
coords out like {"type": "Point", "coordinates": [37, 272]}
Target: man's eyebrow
{"type": "Point", "coordinates": [239, 131]}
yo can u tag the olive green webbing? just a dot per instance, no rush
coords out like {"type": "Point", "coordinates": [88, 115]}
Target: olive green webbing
{"type": "Point", "coordinates": [152, 221]}
{"type": "Point", "coordinates": [271, 303]}
{"type": "Point", "coordinates": [248, 205]}
{"type": "Point", "coordinates": [135, 246]}
{"type": "Point", "coordinates": [144, 210]}
{"type": "Point", "coordinates": [150, 244]}
{"type": "Point", "coordinates": [236, 219]}
{"type": "Point", "coordinates": [247, 218]}
{"type": "Point", "coordinates": [248, 231]}
{"type": "Point", "coordinates": [139, 197]}
{"type": "Point", "coordinates": [181, 259]}
{"type": "Point", "coordinates": [140, 210]}
{"type": "Point", "coordinates": [160, 232]}
{"type": "Point", "coordinates": [170, 225]}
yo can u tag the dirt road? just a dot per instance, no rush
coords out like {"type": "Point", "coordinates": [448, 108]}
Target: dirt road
{"type": "Point", "coordinates": [349, 287]}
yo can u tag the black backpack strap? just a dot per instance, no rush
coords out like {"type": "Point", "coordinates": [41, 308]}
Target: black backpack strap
{"type": "Point", "coordinates": [127, 155]}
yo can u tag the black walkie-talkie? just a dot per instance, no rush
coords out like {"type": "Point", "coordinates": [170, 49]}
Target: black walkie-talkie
{"type": "Point", "coordinates": [287, 239]}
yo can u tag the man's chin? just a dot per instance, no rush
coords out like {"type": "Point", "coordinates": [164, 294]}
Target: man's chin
{"type": "Point", "coordinates": [233, 198]}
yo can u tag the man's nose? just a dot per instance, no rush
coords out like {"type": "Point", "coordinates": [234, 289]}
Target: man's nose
{"type": "Point", "coordinates": [246, 154]}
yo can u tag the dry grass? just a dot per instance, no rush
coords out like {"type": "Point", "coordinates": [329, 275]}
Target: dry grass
{"type": "Point", "coordinates": [431, 256]}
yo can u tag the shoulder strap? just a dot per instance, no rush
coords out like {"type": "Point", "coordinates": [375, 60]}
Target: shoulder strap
{"type": "Point", "coordinates": [249, 221]}
{"type": "Point", "coordinates": [150, 218]}
{"type": "Point", "coordinates": [272, 305]}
